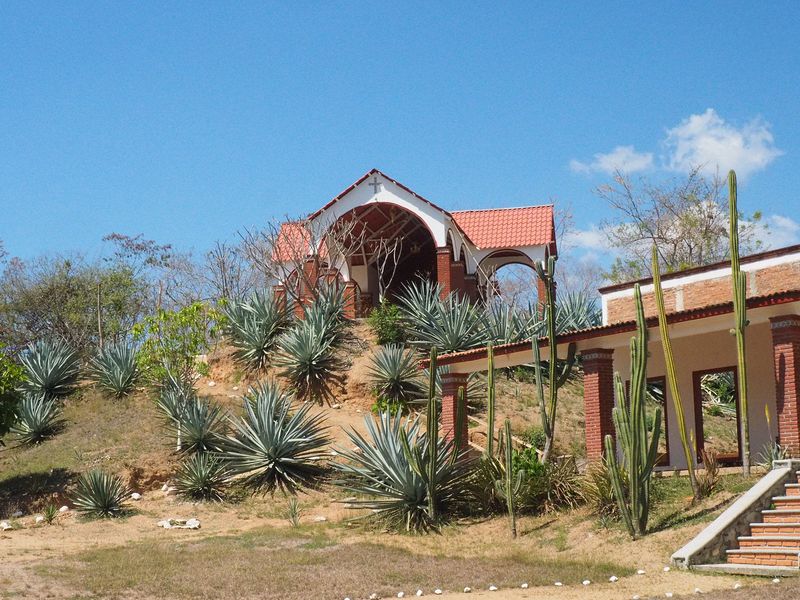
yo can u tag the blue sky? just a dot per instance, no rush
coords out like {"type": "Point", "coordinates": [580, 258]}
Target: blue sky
{"type": "Point", "coordinates": [189, 121]}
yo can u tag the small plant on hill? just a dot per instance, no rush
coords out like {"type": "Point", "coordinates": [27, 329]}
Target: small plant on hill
{"type": "Point", "coordinates": [11, 377]}
{"type": "Point", "coordinates": [272, 448]}
{"type": "Point", "coordinates": [395, 376]}
{"type": "Point", "coordinates": [293, 512]}
{"type": "Point", "coordinates": [51, 368]}
{"type": "Point", "coordinates": [115, 369]}
{"type": "Point", "coordinates": [38, 419]}
{"type": "Point", "coordinates": [100, 494]}
{"type": "Point", "coordinates": [202, 426]}
{"type": "Point", "coordinates": [50, 513]}
{"type": "Point", "coordinates": [386, 322]}
{"type": "Point", "coordinates": [598, 490]}
{"type": "Point", "coordinates": [174, 398]}
{"type": "Point", "coordinates": [708, 478]}
{"type": "Point", "coordinates": [202, 476]}
{"type": "Point", "coordinates": [253, 328]}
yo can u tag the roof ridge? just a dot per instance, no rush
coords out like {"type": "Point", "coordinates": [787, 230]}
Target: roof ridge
{"type": "Point", "coordinates": [456, 212]}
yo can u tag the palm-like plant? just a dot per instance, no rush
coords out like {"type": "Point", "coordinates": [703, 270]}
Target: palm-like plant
{"type": "Point", "coordinates": [506, 324]}
{"type": "Point", "coordinates": [272, 448]}
{"type": "Point", "coordinates": [577, 310]}
{"type": "Point", "coordinates": [390, 466]}
{"type": "Point", "coordinates": [420, 301]}
{"type": "Point", "coordinates": [114, 369]}
{"type": "Point", "coordinates": [202, 476]}
{"type": "Point", "coordinates": [51, 368]}
{"type": "Point", "coordinates": [38, 418]}
{"type": "Point", "coordinates": [307, 360]}
{"type": "Point", "coordinates": [100, 494]}
{"type": "Point", "coordinates": [454, 324]}
{"type": "Point", "coordinates": [394, 374]}
{"type": "Point", "coordinates": [254, 326]}
{"type": "Point", "coordinates": [173, 401]}
{"type": "Point", "coordinates": [202, 426]}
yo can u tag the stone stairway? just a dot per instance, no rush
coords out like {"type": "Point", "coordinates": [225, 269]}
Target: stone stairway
{"type": "Point", "coordinates": [775, 540]}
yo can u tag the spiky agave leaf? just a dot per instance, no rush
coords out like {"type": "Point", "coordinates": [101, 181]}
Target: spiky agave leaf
{"type": "Point", "coordinates": [307, 359]}
{"type": "Point", "coordinates": [202, 425]}
{"type": "Point", "coordinates": [389, 466]}
{"type": "Point", "coordinates": [37, 419]}
{"type": "Point", "coordinates": [420, 301]}
{"type": "Point", "coordinates": [506, 324]}
{"type": "Point", "coordinates": [326, 314]}
{"type": "Point", "coordinates": [452, 325]}
{"type": "Point", "coordinates": [51, 368]}
{"type": "Point", "coordinates": [100, 494]}
{"type": "Point", "coordinates": [576, 311]}
{"type": "Point", "coordinates": [114, 369]}
{"type": "Point", "coordinates": [253, 327]}
{"type": "Point", "coordinates": [202, 476]}
{"type": "Point", "coordinates": [394, 374]}
{"type": "Point", "coordinates": [174, 397]}
{"type": "Point", "coordinates": [273, 448]}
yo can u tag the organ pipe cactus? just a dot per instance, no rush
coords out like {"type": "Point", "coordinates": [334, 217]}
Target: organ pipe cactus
{"type": "Point", "coordinates": [490, 404]}
{"type": "Point", "coordinates": [639, 450]}
{"type": "Point", "coordinates": [461, 415]}
{"type": "Point", "coordinates": [508, 488]}
{"type": "Point", "coordinates": [672, 378]}
{"type": "Point", "coordinates": [740, 313]}
{"type": "Point", "coordinates": [556, 378]}
{"type": "Point", "coordinates": [433, 436]}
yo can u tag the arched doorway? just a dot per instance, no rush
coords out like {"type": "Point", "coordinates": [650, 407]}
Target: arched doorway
{"type": "Point", "coordinates": [510, 276]}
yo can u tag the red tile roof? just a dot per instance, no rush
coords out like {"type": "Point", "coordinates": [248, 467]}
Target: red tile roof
{"type": "Point", "coordinates": [508, 227]}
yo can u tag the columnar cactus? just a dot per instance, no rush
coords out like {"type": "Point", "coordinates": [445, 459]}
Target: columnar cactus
{"type": "Point", "coordinates": [672, 378]}
{"type": "Point", "coordinates": [433, 435]}
{"type": "Point", "coordinates": [490, 404]}
{"type": "Point", "coordinates": [740, 313]}
{"type": "Point", "coordinates": [639, 450]}
{"type": "Point", "coordinates": [509, 486]}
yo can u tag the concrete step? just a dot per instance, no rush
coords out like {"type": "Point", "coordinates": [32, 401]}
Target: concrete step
{"type": "Point", "coordinates": [771, 541]}
{"type": "Point", "coordinates": [786, 502]}
{"type": "Point", "coordinates": [757, 529]}
{"type": "Point", "coordinates": [781, 515]}
{"type": "Point", "coordinates": [756, 570]}
{"type": "Point", "coordinates": [765, 556]}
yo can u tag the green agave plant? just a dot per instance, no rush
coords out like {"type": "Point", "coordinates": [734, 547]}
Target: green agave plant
{"type": "Point", "coordinates": [390, 467]}
{"type": "Point", "coordinates": [51, 368]}
{"type": "Point", "coordinates": [307, 360]}
{"type": "Point", "coordinates": [272, 448]}
{"type": "Point", "coordinates": [253, 328]}
{"type": "Point", "coordinates": [173, 401]}
{"type": "Point", "coordinates": [202, 476]}
{"type": "Point", "coordinates": [37, 419]}
{"type": "Point", "coordinates": [100, 494]}
{"type": "Point", "coordinates": [506, 324]}
{"type": "Point", "coordinates": [394, 374]}
{"type": "Point", "coordinates": [420, 301]}
{"type": "Point", "coordinates": [454, 325]}
{"type": "Point", "coordinates": [202, 427]}
{"type": "Point", "coordinates": [114, 369]}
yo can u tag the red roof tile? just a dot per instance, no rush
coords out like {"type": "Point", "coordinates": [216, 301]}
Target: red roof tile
{"type": "Point", "coordinates": [508, 227]}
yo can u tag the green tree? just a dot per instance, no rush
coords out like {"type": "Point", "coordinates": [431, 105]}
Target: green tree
{"type": "Point", "coordinates": [11, 375]}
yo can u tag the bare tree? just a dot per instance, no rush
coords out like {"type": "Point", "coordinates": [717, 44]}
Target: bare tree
{"type": "Point", "coordinates": [386, 255]}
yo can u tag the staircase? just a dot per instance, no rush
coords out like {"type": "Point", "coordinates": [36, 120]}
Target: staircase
{"type": "Point", "coordinates": [775, 540]}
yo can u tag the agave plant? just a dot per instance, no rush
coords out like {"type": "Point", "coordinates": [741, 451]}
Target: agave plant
{"type": "Point", "coordinates": [202, 426]}
{"type": "Point", "coordinates": [202, 476]}
{"type": "Point", "coordinates": [100, 494]}
{"type": "Point", "coordinates": [452, 325]}
{"type": "Point", "coordinates": [173, 401]}
{"type": "Point", "coordinates": [114, 369]}
{"type": "Point", "coordinates": [577, 310]}
{"type": "Point", "coordinates": [394, 374]}
{"type": "Point", "coordinates": [506, 324]}
{"type": "Point", "coordinates": [37, 419]}
{"type": "Point", "coordinates": [51, 368]}
{"type": "Point", "coordinates": [420, 301]}
{"type": "Point", "coordinates": [390, 466]}
{"type": "Point", "coordinates": [308, 361]}
{"type": "Point", "coordinates": [273, 448]}
{"type": "Point", "coordinates": [253, 328]}
{"type": "Point", "coordinates": [325, 316]}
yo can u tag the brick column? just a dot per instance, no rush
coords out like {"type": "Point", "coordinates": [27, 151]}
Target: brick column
{"type": "Point", "coordinates": [598, 398]}
{"type": "Point", "coordinates": [279, 291]}
{"type": "Point", "coordinates": [451, 382]}
{"type": "Point", "coordinates": [457, 276]}
{"type": "Point", "coordinates": [444, 258]}
{"type": "Point", "coordinates": [786, 355]}
{"type": "Point", "coordinates": [471, 287]}
{"type": "Point", "coordinates": [351, 300]}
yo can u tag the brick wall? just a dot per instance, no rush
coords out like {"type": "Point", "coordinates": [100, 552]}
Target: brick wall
{"type": "Point", "coordinates": [451, 383]}
{"type": "Point", "coordinates": [598, 398]}
{"type": "Point", "coordinates": [786, 356]}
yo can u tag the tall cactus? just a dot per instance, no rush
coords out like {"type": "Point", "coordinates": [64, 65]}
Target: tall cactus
{"type": "Point", "coordinates": [639, 450]}
{"type": "Point", "coordinates": [508, 487]}
{"type": "Point", "coordinates": [433, 436]}
{"type": "Point", "coordinates": [546, 273]}
{"type": "Point", "coordinates": [740, 312]}
{"type": "Point", "coordinates": [490, 404]}
{"type": "Point", "coordinates": [672, 378]}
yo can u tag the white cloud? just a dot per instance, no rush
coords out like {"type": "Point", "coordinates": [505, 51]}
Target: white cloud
{"type": "Point", "coordinates": [781, 231]}
{"type": "Point", "coordinates": [708, 141]}
{"type": "Point", "coordinates": [622, 158]}
{"type": "Point", "coordinates": [593, 239]}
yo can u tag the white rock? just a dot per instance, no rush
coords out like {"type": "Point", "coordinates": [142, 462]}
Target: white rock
{"type": "Point", "coordinates": [193, 524]}
{"type": "Point", "coordinates": [698, 591]}
{"type": "Point", "coordinates": [419, 593]}
{"type": "Point", "coordinates": [613, 579]}
{"type": "Point", "coordinates": [467, 590]}
{"type": "Point", "coordinates": [776, 580]}
{"type": "Point", "coordinates": [171, 491]}
{"type": "Point", "coordinates": [136, 496]}
{"type": "Point", "coordinates": [524, 586]}
{"type": "Point", "coordinates": [17, 514]}
{"type": "Point", "coordinates": [437, 591]}
{"type": "Point", "coordinates": [668, 594]}
{"type": "Point", "coordinates": [39, 519]}
{"type": "Point", "coordinates": [165, 524]}
{"type": "Point", "coordinates": [63, 509]}
{"type": "Point", "coordinates": [401, 594]}
{"type": "Point", "coordinates": [640, 572]}
{"type": "Point", "coordinates": [586, 582]}
{"type": "Point", "coordinates": [635, 597]}
{"type": "Point", "coordinates": [373, 596]}
{"type": "Point", "coordinates": [558, 584]}
{"type": "Point", "coordinates": [336, 406]}
{"type": "Point", "coordinates": [211, 384]}
{"type": "Point", "coordinates": [492, 588]}
{"type": "Point", "coordinates": [164, 487]}
{"type": "Point", "coordinates": [320, 519]}
{"type": "Point", "coordinates": [235, 388]}
{"type": "Point", "coordinates": [737, 586]}
{"type": "Point", "coordinates": [5, 526]}
{"type": "Point", "coordinates": [666, 569]}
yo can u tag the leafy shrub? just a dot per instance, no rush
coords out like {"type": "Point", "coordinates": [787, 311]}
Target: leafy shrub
{"type": "Point", "coordinates": [708, 477]}
{"type": "Point", "coordinates": [394, 375]}
{"type": "Point", "coordinates": [293, 512]}
{"type": "Point", "coordinates": [272, 448]}
{"type": "Point", "coordinates": [11, 377]}
{"type": "Point", "coordinates": [391, 467]}
{"type": "Point", "coordinates": [771, 453]}
{"type": "Point", "coordinates": [202, 476]}
{"type": "Point", "coordinates": [598, 492]}
{"type": "Point", "coordinates": [536, 437]}
{"type": "Point", "coordinates": [202, 427]}
{"type": "Point", "coordinates": [386, 322]}
{"type": "Point", "coordinates": [307, 359]}
{"type": "Point", "coordinates": [51, 368]}
{"type": "Point", "coordinates": [383, 405]}
{"type": "Point", "coordinates": [38, 418]}
{"type": "Point", "coordinates": [100, 494]}
{"type": "Point", "coordinates": [115, 369]}
{"type": "Point", "coordinates": [253, 327]}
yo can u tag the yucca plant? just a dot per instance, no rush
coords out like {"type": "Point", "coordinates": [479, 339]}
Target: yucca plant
{"type": "Point", "coordinates": [394, 374]}
{"type": "Point", "coordinates": [115, 369]}
{"type": "Point", "coordinates": [100, 494]}
{"type": "Point", "coordinates": [202, 476]}
{"type": "Point", "coordinates": [173, 401]}
{"type": "Point", "coordinates": [505, 324]}
{"type": "Point", "coordinates": [202, 426]}
{"type": "Point", "coordinates": [272, 448]}
{"type": "Point", "coordinates": [453, 324]}
{"type": "Point", "coordinates": [307, 360]}
{"type": "Point", "coordinates": [51, 368]}
{"type": "Point", "coordinates": [576, 311]}
{"type": "Point", "coordinates": [420, 301]}
{"type": "Point", "coordinates": [253, 327]}
{"type": "Point", "coordinates": [391, 473]}
{"type": "Point", "coordinates": [37, 419]}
